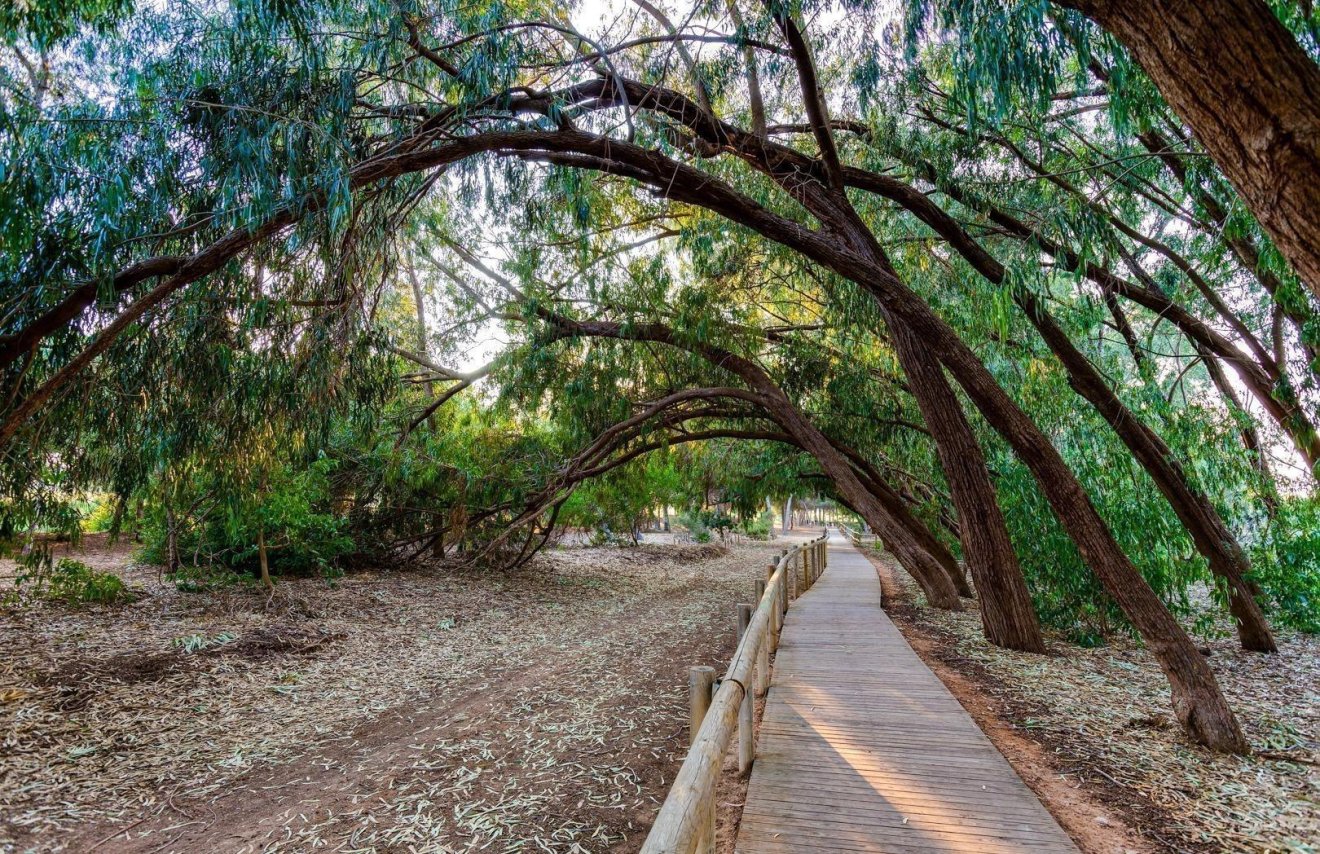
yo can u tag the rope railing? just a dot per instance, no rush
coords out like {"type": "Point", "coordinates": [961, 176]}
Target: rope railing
{"type": "Point", "coordinates": [719, 708]}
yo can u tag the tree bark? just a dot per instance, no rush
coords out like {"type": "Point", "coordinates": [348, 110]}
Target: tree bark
{"type": "Point", "coordinates": [171, 538]}
{"type": "Point", "coordinates": [1008, 616]}
{"type": "Point", "coordinates": [1198, 703]}
{"type": "Point", "coordinates": [934, 581]}
{"type": "Point", "coordinates": [1249, 93]}
{"type": "Point", "coordinates": [264, 559]}
{"type": "Point", "coordinates": [1209, 533]}
{"type": "Point", "coordinates": [896, 504]}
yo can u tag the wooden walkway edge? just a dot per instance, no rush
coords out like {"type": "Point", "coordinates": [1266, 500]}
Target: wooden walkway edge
{"type": "Point", "coordinates": [863, 749]}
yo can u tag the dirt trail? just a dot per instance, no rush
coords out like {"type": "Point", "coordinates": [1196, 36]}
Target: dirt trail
{"type": "Point", "coordinates": [549, 713]}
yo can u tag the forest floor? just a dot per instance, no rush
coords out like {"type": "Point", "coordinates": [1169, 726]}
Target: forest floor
{"type": "Point", "coordinates": [411, 711]}
{"type": "Point", "coordinates": [1090, 731]}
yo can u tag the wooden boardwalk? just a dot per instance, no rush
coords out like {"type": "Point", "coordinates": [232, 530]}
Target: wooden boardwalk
{"type": "Point", "coordinates": [863, 749]}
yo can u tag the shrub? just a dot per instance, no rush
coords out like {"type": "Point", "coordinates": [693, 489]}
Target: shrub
{"type": "Point", "coordinates": [69, 581]}
{"type": "Point", "coordinates": [295, 510]}
{"type": "Point", "coordinates": [758, 527]}
{"type": "Point", "coordinates": [102, 515]}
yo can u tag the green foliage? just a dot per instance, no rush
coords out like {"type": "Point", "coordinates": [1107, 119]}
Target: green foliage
{"type": "Point", "coordinates": [216, 521]}
{"type": "Point", "coordinates": [264, 397]}
{"type": "Point", "coordinates": [1286, 564]}
{"type": "Point", "coordinates": [101, 518]}
{"type": "Point", "coordinates": [68, 581]}
{"type": "Point", "coordinates": [758, 527]}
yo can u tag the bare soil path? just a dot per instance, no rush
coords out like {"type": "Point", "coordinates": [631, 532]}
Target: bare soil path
{"type": "Point", "coordinates": [425, 711]}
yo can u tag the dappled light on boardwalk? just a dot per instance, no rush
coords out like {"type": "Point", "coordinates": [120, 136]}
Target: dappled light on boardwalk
{"type": "Point", "coordinates": [863, 749]}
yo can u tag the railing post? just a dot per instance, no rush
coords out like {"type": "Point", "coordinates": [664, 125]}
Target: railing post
{"type": "Point", "coordinates": [774, 608]}
{"type": "Point", "coordinates": [746, 710]}
{"type": "Point", "coordinates": [762, 682]}
{"type": "Point", "coordinates": [701, 682]}
{"type": "Point", "coordinates": [701, 685]}
{"type": "Point", "coordinates": [783, 596]}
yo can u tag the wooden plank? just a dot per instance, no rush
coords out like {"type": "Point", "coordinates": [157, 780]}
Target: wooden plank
{"type": "Point", "coordinates": [862, 749]}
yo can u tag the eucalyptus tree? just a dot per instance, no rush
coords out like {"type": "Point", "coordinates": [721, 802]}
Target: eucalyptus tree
{"type": "Point", "coordinates": [300, 139]}
{"type": "Point", "coordinates": [1241, 74]}
{"type": "Point", "coordinates": [1079, 137]}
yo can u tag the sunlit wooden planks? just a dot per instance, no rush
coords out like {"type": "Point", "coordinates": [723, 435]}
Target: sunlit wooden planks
{"type": "Point", "coordinates": [863, 749]}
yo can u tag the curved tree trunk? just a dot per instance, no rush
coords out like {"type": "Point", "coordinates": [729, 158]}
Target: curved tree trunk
{"type": "Point", "coordinates": [897, 506]}
{"type": "Point", "coordinates": [934, 580]}
{"type": "Point", "coordinates": [911, 556]}
{"type": "Point", "coordinates": [1208, 530]}
{"type": "Point", "coordinates": [1198, 703]}
{"type": "Point", "coordinates": [1008, 616]}
{"type": "Point", "coordinates": [1249, 93]}
{"type": "Point", "coordinates": [1210, 534]}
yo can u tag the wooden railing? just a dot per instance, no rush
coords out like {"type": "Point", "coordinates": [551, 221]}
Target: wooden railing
{"type": "Point", "coordinates": [857, 538]}
{"type": "Point", "coordinates": [718, 708]}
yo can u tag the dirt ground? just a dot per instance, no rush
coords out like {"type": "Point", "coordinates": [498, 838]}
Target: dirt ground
{"type": "Point", "coordinates": [545, 710]}
{"type": "Point", "coordinates": [1090, 732]}
{"type": "Point", "coordinates": [421, 711]}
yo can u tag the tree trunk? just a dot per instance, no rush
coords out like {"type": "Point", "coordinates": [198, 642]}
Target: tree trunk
{"type": "Point", "coordinates": [897, 507]}
{"type": "Point", "coordinates": [264, 559]}
{"type": "Point", "coordinates": [914, 559]}
{"type": "Point", "coordinates": [1249, 93]}
{"type": "Point", "coordinates": [1008, 616]}
{"type": "Point", "coordinates": [932, 578]}
{"type": "Point", "coordinates": [1203, 522]}
{"type": "Point", "coordinates": [423, 333]}
{"type": "Point", "coordinates": [1197, 701]}
{"type": "Point", "coordinates": [934, 581]}
{"type": "Point", "coordinates": [171, 538]}
{"type": "Point", "coordinates": [1210, 534]}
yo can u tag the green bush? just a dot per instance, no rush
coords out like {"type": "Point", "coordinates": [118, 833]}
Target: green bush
{"type": "Point", "coordinates": [69, 581]}
{"type": "Point", "coordinates": [295, 510]}
{"type": "Point", "coordinates": [758, 527]}
{"type": "Point", "coordinates": [691, 519]}
{"type": "Point", "coordinates": [102, 515]}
